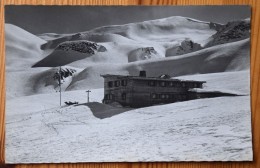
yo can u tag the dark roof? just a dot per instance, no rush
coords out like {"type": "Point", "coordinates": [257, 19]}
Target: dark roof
{"type": "Point", "coordinates": [149, 78]}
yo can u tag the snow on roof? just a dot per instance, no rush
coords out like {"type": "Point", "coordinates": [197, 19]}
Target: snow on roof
{"type": "Point", "coordinates": [164, 76]}
{"type": "Point", "coordinates": [148, 78]}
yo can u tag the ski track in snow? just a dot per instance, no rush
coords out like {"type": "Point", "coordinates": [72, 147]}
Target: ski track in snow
{"type": "Point", "coordinates": [206, 129]}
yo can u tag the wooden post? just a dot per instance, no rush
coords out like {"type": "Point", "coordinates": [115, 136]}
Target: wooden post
{"type": "Point", "coordinates": [88, 94]}
{"type": "Point", "coordinates": [60, 84]}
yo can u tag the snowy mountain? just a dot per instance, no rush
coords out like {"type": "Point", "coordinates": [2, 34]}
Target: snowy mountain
{"type": "Point", "coordinates": [168, 37]}
{"type": "Point", "coordinates": [70, 51]}
{"type": "Point", "coordinates": [126, 49]}
{"type": "Point", "coordinates": [186, 46]}
{"type": "Point", "coordinates": [175, 28]}
{"type": "Point", "coordinates": [143, 54]}
{"type": "Point", "coordinates": [183, 48]}
{"type": "Point", "coordinates": [21, 44]}
{"type": "Point", "coordinates": [232, 31]}
{"type": "Point", "coordinates": [160, 34]}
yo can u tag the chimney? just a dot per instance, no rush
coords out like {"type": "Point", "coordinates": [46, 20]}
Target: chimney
{"type": "Point", "coordinates": [142, 74]}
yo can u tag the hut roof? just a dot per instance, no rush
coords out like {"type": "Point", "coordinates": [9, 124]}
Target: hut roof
{"type": "Point", "coordinates": [148, 78]}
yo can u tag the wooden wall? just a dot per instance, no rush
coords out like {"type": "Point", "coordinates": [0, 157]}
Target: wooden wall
{"type": "Point", "coordinates": [255, 74]}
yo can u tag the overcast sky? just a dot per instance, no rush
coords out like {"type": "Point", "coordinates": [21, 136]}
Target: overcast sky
{"type": "Point", "coordinates": [70, 19]}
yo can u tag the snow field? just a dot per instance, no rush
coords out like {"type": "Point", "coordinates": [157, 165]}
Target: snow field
{"type": "Point", "coordinates": [201, 130]}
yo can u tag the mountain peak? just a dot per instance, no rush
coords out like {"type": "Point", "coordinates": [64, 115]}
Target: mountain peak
{"type": "Point", "coordinates": [232, 31]}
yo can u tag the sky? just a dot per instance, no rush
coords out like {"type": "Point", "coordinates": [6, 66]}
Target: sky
{"type": "Point", "coordinates": [71, 19]}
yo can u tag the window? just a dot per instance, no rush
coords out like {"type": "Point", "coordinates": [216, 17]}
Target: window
{"type": "Point", "coordinates": [123, 96]}
{"type": "Point", "coordinates": [117, 83]}
{"type": "Point", "coordinates": [163, 96]}
{"type": "Point", "coordinates": [110, 84]}
{"type": "Point", "coordinates": [163, 83]}
{"type": "Point", "coordinates": [171, 84]}
{"type": "Point", "coordinates": [183, 97]}
{"type": "Point", "coordinates": [110, 97]}
{"type": "Point", "coordinates": [154, 96]}
{"type": "Point", "coordinates": [195, 85]}
{"type": "Point", "coordinates": [124, 82]}
{"type": "Point", "coordinates": [151, 83]}
{"type": "Point", "coordinates": [183, 85]}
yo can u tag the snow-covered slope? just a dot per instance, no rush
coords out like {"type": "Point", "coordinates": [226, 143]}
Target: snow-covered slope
{"type": "Point", "coordinates": [227, 57]}
{"type": "Point", "coordinates": [122, 41]}
{"type": "Point", "coordinates": [237, 82]}
{"type": "Point", "coordinates": [175, 28]}
{"type": "Point", "coordinates": [162, 30]}
{"type": "Point", "coordinates": [21, 45]}
{"type": "Point", "coordinates": [51, 36]}
{"type": "Point", "coordinates": [36, 81]}
{"type": "Point", "coordinates": [184, 131]}
{"type": "Point", "coordinates": [169, 37]}
{"type": "Point", "coordinates": [222, 58]}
